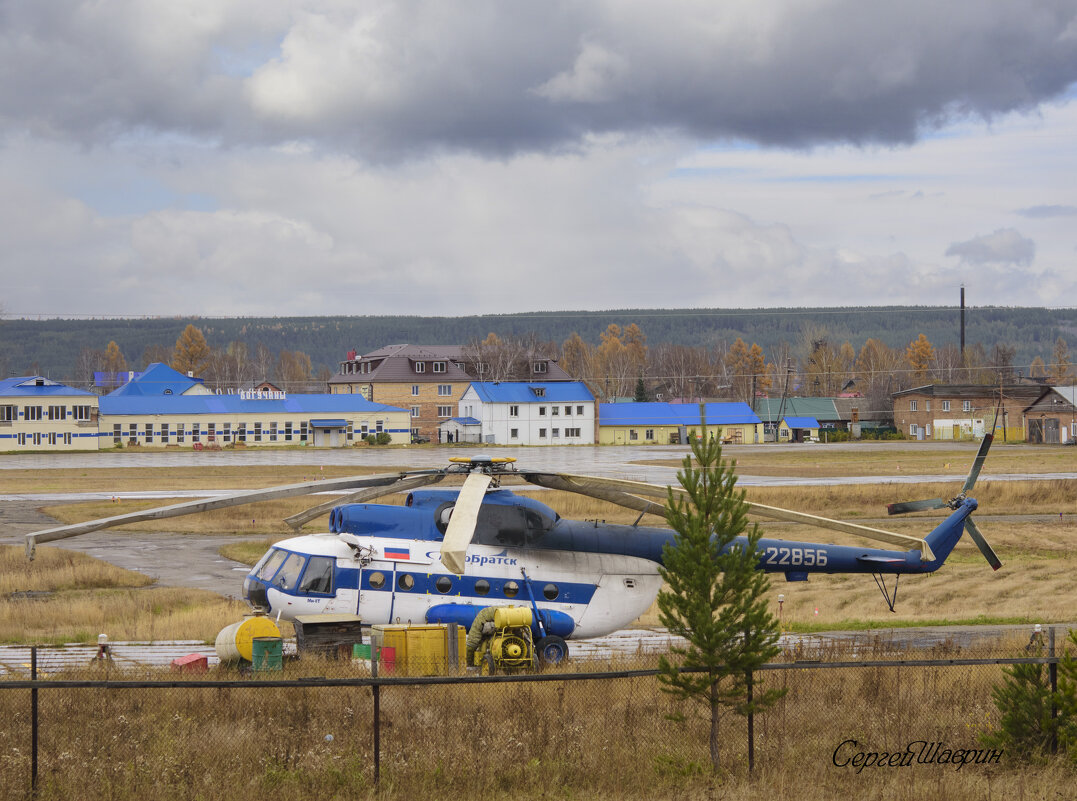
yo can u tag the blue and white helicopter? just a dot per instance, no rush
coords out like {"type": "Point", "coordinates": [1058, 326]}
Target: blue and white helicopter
{"type": "Point", "coordinates": [448, 553]}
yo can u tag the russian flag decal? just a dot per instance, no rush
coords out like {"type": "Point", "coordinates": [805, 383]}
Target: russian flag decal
{"type": "Point", "coordinates": [397, 553]}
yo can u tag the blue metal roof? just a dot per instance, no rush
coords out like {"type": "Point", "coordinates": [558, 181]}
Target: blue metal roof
{"type": "Point", "coordinates": [234, 404]}
{"type": "Point", "coordinates": [675, 414]}
{"type": "Point", "coordinates": [37, 386]}
{"type": "Point", "coordinates": [801, 422]}
{"type": "Point", "coordinates": [158, 379]}
{"type": "Point", "coordinates": [524, 391]}
{"type": "Point", "coordinates": [334, 422]}
{"type": "Point", "coordinates": [466, 421]}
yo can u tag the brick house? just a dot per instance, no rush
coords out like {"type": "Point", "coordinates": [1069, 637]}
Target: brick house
{"type": "Point", "coordinates": [964, 411]}
{"type": "Point", "coordinates": [1052, 417]}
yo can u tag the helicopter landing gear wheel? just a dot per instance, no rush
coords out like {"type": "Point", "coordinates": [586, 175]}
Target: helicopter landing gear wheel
{"type": "Point", "coordinates": [487, 666]}
{"type": "Point", "coordinates": [552, 650]}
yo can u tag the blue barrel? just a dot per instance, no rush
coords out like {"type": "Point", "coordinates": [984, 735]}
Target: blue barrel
{"type": "Point", "coordinates": [267, 653]}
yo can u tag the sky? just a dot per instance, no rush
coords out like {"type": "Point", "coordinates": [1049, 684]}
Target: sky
{"type": "Point", "coordinates": [262, 157]}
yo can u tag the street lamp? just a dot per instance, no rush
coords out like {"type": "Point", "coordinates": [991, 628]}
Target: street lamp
{"type": "Point", "coordinates": [781, 602]}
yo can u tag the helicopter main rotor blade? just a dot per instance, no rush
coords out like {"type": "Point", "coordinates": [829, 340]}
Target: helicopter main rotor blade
{"type": "Point", "coordinates": [772, 512]}
{"type": "Point", "coordinates": [465, 516]}
{"type": "Point", "coordinates": [981, 543]}
{"type": "Point", "coordinates": [363, 495]}
{"type": "Point", "coordinates": [194, 507]}
{"type": "Point", "coordinates": [978, 463]}
{"type": "Point", "coordinates": [555, 482]}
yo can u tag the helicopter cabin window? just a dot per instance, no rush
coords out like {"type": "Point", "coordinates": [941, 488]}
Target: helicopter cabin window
{"type": "Point", "coordinates": [288, 576]}
{"type": "Point", "coordinates": [510, 525]}
{"type": "Point", "coordinates": [550, 592]}
{"type": "Point", "coordinates": [270, 563]}
{"type": "Point", "coordinates": [482, 587]}
{"type": "Point", "coordinates": [318, 577]}
{"type": "Point", "coordinates": [377, 580]}
{"type": "Point", "coordinates": [443, 584]}
{"type": "Point", "coordinates": [511, 589]}
{"type": "Point", "coordinates": [405, 581]}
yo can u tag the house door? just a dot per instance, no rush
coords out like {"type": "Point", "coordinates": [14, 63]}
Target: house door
{"type": "Point", "coordinates": [1050, 431]}
{"type": "Point", "coordinates": [1035, 431]}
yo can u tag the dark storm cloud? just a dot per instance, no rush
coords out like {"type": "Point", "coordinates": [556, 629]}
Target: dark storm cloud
{"type": "Point", "coordinates": [394, 79]}
{"type": "Point", "coordinates": [1005, 246]}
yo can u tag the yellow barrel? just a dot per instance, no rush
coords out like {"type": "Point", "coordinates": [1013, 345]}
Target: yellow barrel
{"type": "Point", "coordinates": [236, 642]}
{"type": "Point", "coordinates": [506, 616]}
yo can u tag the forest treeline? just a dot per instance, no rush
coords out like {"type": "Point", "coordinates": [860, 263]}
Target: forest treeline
{"type": "Point", "coordinates": [677, 353]}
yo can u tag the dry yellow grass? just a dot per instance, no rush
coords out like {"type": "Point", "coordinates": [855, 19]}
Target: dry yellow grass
{"type": "Point", "coordinates": [75, 597]}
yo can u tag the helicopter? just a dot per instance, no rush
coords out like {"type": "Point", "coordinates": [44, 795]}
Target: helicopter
{"type": "Point", "coordinates": [448, 553]}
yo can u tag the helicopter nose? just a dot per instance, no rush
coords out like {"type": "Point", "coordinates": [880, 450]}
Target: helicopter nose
{"type": "Point", "coordinates": [257, 596]}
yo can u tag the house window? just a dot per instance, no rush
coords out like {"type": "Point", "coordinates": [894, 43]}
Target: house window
{"type": "Point", "coordinates": [555, 433]}
{"type": "Point", "coordinates": [966, 406]}
{"type": "Point", "coordinates": [67, 438]}
{"type": "Point", "coordinates": [196, 432]}
{"type": "Point", "coordinates": [542, 433]}
{"type": "Point", "coordinates": [180, 432]}
{"type": "Point", "coordinates": [272, 432]}
{"type": "Point", "coordinates": [164, 433]}
{"type": "Point", "coordinates": [912, 430]}
{"type": "Point", "coordinates": [288, 432]}
{"type": "Point", "coordinates": [22, 438]}
{"type": "Point", "coordinates": [539, 367]}
{"type": "Point", "coordinates": [542, 411]}
{"type": "Point", "coordinates": [445, 411]}
{"type": "Point", "coordinates": [57, 413]}
{"type": "Point", "coordinates": [379, 425]}
{"type": "Point", "coordinates": [555, 410]}
{"type": "Point", "coordinates": [912, 406]}
{"type": "Point", "coordinates": [579, 410]}
{"type": "Point", "coordinates": [420, 367]}
{"type": "Point", "coordinates": [649, 434]}
{"type": "Point", "coordinates": [946, 406]}
{"type": "Point", "coordinates": [227, 433]}
{"type": "Point", "coordinates": [927, 405]}
{"type": "Point", "coordinates": [568, 410]}
{"type": "Point", "coordinates": [241, 432]}
{"type": "Point", "coordinates": [439, 367]}
{"type": "Point", "coordinates": [514, 411]}
{"type": "Point", "coordinates": [445, 389]}
{"type": "Point", "coordinates": [633, 434]}
{"type": "Point", "coordinates": [572, 432]}
{"type": "Point", "coordinates": [117, 434]}
{"type": "Point", "coordinates": [31, 413]}
{"type": "Point", "coordinates": [7, 414]}
{"type": "Point", "coordinates": [514, 433]}
{"type": "Point", "coordinates": [540, 392]}
{"type": "Point", "coordinates": [303, 431]}
{"type": "Point", "coordinates": [482, 368]}
{"type": "Point", "coordinates": [149, 433]}
{"type": "Point", "coordinates": [81, 412]}
{"type": "Point", "coordinates": [257, 432]}
{"type": "Point", "coordinates": [414, 411]}
{"type": "Point", "coordinates": [211, 431]}
{"type": "Point", "coordinates": [414, 390]}
{"type": "Point", "coordinates": [52, 438]}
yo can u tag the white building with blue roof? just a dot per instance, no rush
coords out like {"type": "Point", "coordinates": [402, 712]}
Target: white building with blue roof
{"type": "Point", "coordinates": [38, 414]}
{"type": "Point", "coordinates": [530, 412]}
{"type": "Point", "coordinates": [163, 407]}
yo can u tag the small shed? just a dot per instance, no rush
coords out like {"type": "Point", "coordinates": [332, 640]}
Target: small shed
{"type": "Point", "coordinates": [798, 429]}
{"type": "Point", "coordinates": [460, 429]}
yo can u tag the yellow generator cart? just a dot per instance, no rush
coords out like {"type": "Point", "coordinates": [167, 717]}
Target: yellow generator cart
{"type": "Point", "coordinates": [500, 640]}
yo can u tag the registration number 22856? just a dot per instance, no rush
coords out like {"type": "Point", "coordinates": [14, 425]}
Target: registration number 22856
{"type": "Point", "coordinates": [806, 557]}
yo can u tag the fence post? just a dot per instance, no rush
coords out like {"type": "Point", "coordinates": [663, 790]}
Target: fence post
{"type": "Point", "coordinates": [377, 720]}
{"type": "Point", "coordinates": [1052, 671]}
{"type": "Point", "coordinates": [33, 723]}
{"type": "Point", "coordinates": [751, 727]}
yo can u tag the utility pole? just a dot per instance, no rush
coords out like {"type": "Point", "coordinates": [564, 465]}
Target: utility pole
{"type": "Point", "coordinates": [963, 330]}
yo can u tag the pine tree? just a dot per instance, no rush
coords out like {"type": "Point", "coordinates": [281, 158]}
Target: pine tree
{"type": "Point", "coordinates": [714, 596]}
{"type": "Point", "coordinates": [641, 391]}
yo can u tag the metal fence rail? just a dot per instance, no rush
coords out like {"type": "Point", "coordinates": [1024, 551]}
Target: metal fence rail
{"type": "Point", "coordinates": [119, 735]}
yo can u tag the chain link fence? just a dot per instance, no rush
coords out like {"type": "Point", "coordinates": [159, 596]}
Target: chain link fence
{"type": "Point", "coordinates": [110, 733]}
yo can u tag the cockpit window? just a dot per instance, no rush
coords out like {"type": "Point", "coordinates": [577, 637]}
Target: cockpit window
{"type": "Point", "coordinates": [270, 565]}
{"type": "Point", "coordinates": [318, 577]}
{"type": "Point", "coordinates": [288, 576]}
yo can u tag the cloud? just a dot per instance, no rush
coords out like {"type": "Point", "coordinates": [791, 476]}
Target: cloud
{"type": "Point", "coordinates": [388, 80]}
{"type": "Point", "coordinates": [1047, 212]}
{"type": "Point", "coordinates": [1004, 246]}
